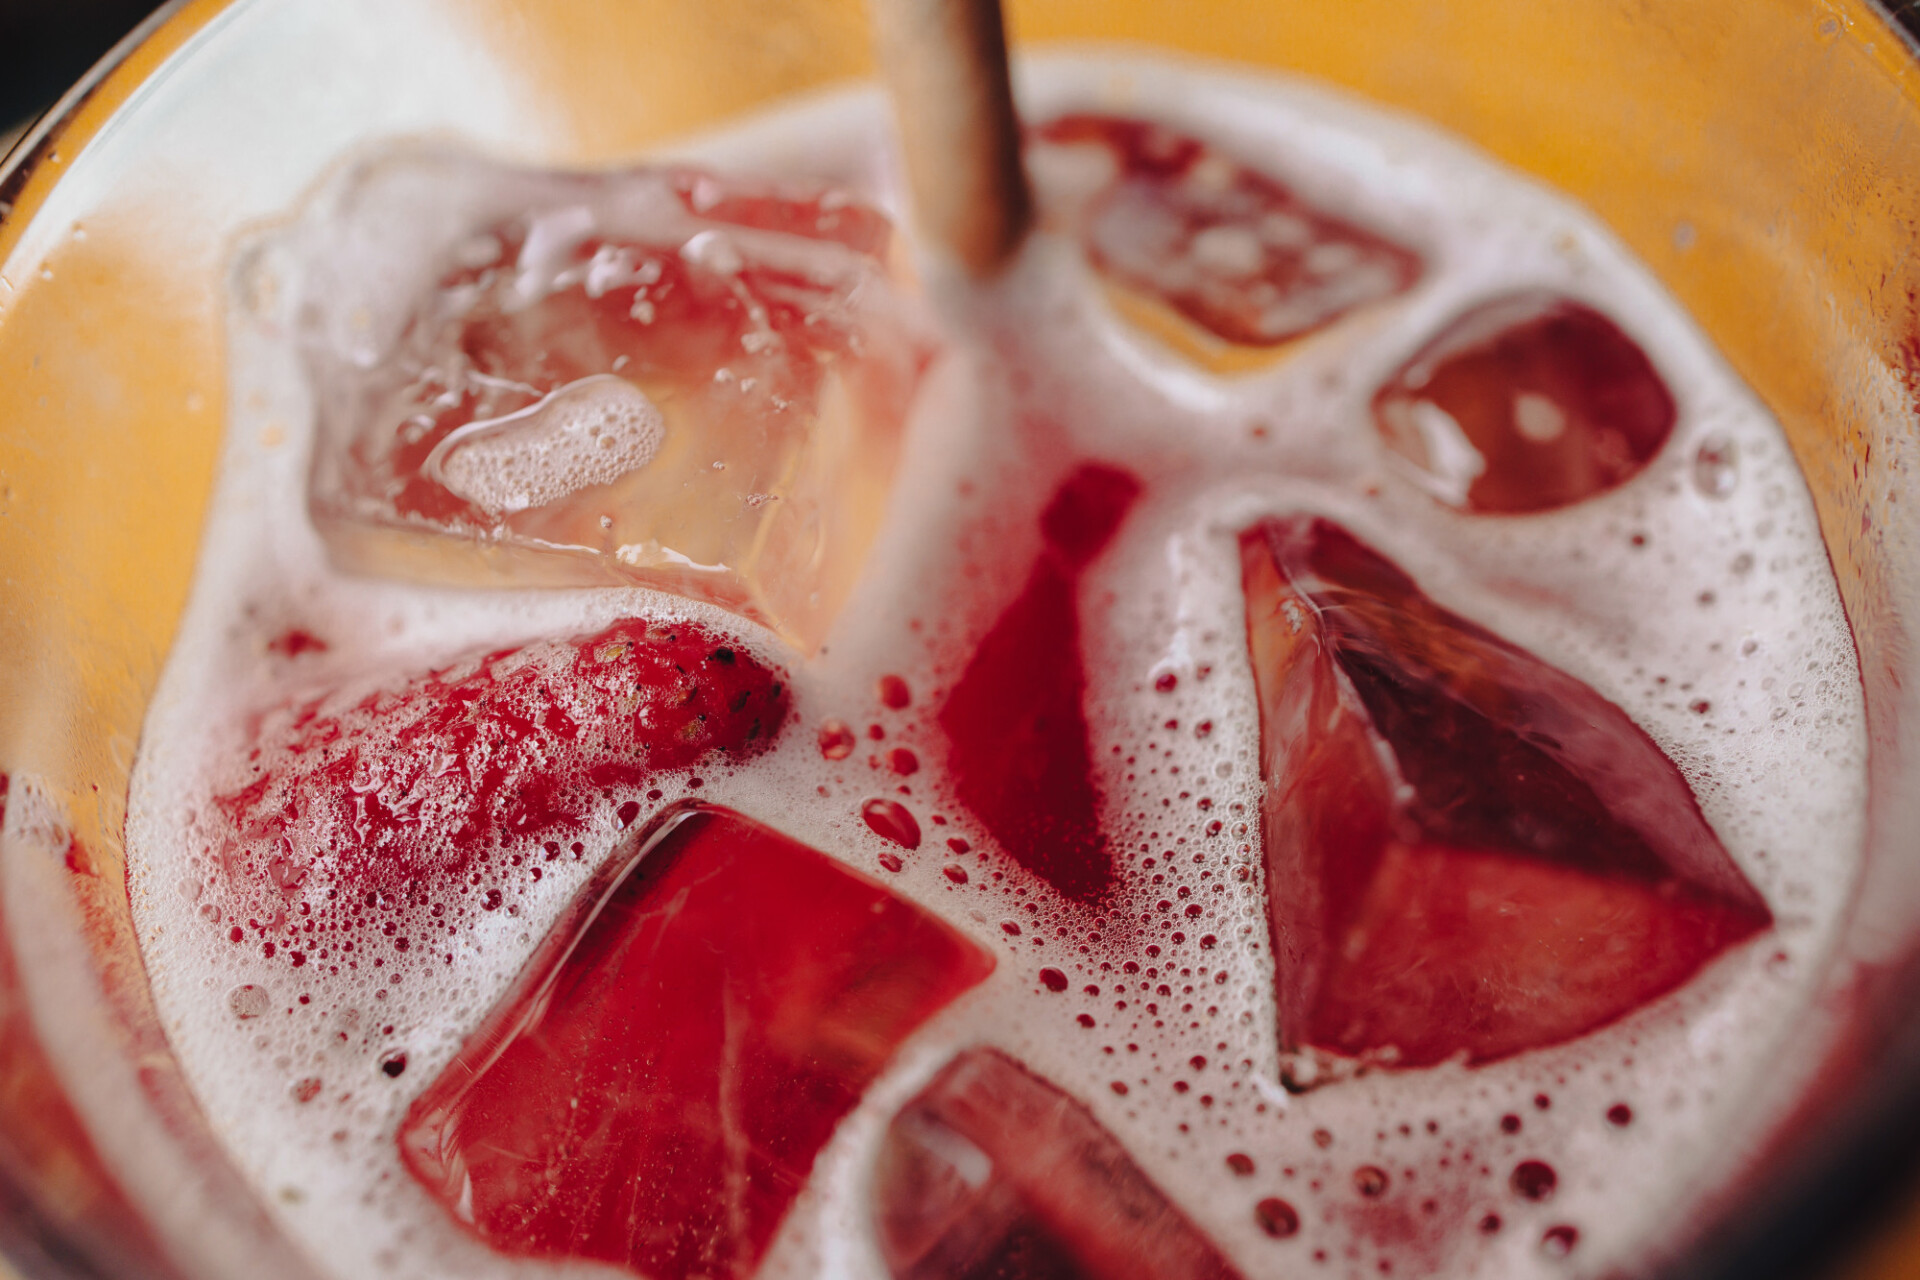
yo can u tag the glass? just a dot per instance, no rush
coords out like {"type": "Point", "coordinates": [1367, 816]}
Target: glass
{"type": "Point", "coordinates": [1762, 158]}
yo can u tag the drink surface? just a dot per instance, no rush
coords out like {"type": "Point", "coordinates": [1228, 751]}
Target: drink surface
{"type": "Point", "coordinates": [1134, 973]}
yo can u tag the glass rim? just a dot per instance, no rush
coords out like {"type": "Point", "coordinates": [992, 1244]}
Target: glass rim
{"type": "Point", "coordinates": [1844, 1190]}
{"type": "Point", "coordinates": [35, 143]}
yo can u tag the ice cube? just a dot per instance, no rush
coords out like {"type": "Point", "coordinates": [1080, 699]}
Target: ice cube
{"type": "Point", "coordinates": [1467, 851]}
{"type": "Point", "coordinates": [655, 1091]}
{"type": "Point", "coordinates": [1191, 237]}
{"type": "Point", "coordinates": [1525, 403]}
{"type": "Point", "coordinates": [991, 1173]}
{"type": "Point", "coordinates": [1018, 732]}
{"type": "Point", "coordinates": [659, 377]}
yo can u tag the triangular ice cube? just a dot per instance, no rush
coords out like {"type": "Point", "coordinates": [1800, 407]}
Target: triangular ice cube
{"type": "Point", "coordinates": [1468, 852]}
{"type": "Point", "coordinates": [368, 820]}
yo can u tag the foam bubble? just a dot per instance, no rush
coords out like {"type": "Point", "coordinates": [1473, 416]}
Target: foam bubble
{"type": "Point", "coordinates": [590, 431]}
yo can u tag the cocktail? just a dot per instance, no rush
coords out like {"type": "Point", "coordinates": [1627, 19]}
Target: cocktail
{"type": "Point", "coordinates": [1457, 550]}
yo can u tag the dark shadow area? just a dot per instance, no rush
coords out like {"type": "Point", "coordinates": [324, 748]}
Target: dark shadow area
{"type": "Point", "coordinates": [1852, 1185]}
{"type": "Point", "coordinates": [45, 45]}
{"type": "Point", "coordinates": [1907, 14]}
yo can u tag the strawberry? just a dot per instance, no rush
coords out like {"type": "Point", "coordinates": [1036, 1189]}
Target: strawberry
{"type": "Point", "coordinates": [433, 790]}
{"type": "Point", "coordinates": [992, 1173]}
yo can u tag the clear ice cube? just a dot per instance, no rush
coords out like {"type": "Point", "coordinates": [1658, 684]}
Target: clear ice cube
{"type": "Point", "coordinates": [1525, 403]}
{"type": "Point", "coordinates": [656, 376]}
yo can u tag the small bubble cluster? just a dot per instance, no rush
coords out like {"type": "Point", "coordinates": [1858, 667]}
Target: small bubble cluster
{"type": "Point", "coordinates": [590, 431]}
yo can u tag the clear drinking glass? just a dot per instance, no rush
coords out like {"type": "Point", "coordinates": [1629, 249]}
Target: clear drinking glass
{"type": "Point", "coordinates": [1762, 157]}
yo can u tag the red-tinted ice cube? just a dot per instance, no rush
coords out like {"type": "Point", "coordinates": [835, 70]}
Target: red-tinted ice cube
{"type": "Point", "coordinates": [1525, 403]}
{"type": "Point", "coordinates": [1468, 851]}
{"type": "Point", "coordinates": [657, 377]}
{"type": "Point", "coordinates": [654, 1092]}
{"type": "Point", "coordinates": [991, 1173]}
{"type": "Point", "coordinates": [1018, 732]}
{"type": "Point", "coordinates": [1226, 246]}
{"type": "Point", "coordinates": [370, 802]}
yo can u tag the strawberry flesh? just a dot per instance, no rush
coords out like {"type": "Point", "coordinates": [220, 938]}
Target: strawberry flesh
{"type": "Point", "coordinates": [374, 805]}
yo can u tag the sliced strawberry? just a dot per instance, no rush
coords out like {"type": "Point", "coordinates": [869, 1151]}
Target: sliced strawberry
{"type": "Point", "coordinates": [1468, 852]}
{"type": "Point", "coordinates": [1525, 403]}
{"type": "Point", "coordinates": [1228, 247]}
{"type": "Point", "coordinates": [361, 805]}
{"type": "Point", "coordinates": [1018, 733]}
{"type": "Point", "coordinates": [655, 1091]}
{"type": "Point", "coordinates": [991, 1173]}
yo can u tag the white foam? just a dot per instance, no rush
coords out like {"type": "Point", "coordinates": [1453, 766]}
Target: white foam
{"type": "Point", "coordinates": [1662, 595]}
{"type": "Point", "coordinates": [590, 431]}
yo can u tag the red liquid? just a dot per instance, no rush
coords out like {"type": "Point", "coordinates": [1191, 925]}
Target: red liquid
{"type": "Point", "coordinates": [1020, 758]}
{"type": "Point", "coordinates": [1229, 248]}
{"type": "Point", "coordinates": [1468, 852]}
{"type": "Point", "coordinates": [1555, 403]}
{"type": "Point", "coordinates": [656, 1093]}
{"type": "Point", "coordinates": [893, 821]}
{"type": "Point", "coordinates": [1277, 1218]}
